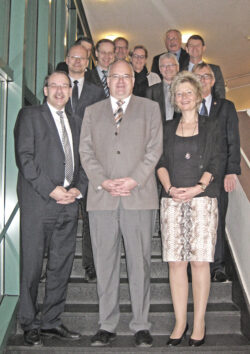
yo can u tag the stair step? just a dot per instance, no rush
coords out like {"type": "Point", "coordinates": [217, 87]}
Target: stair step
{"type": "Point", "coordinates": [156, 246]}
{"type": "Point", "coordinates": [79, 291]}
{"type": "Point", "coordinates": [159, 269]}
{"type": "Point", "coordinates": [223, 344]}
{"type": "Point", "coordinates": [221, 318]}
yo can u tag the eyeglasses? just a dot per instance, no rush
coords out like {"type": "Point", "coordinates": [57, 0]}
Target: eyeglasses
{"type": "Point", "coordinates": [184, 94]}
{"type": "Point", "coordinates": [62, 87]}
{"type": "Point", "coordinates": [169, 66]}
{"type": "Point", "coordinates": [75, 57]}
{"type": "Point", "coordinates": [136, 56]}
{"type": "Point", "coordinates": [204, 77]}
{"type": "Point", "coordinates": [106, 53]}
{"type": "Point", "coordinates": [117, 77]}
{"type": "Point", "coordinates": [120, 48]}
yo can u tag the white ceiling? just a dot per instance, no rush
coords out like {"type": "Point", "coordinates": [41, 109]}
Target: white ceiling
{"type": "Point", "coordinates": [224, 24]}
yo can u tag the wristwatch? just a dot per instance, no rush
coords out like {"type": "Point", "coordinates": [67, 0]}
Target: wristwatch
{"type": "Point", "coordinates": [202, 185]}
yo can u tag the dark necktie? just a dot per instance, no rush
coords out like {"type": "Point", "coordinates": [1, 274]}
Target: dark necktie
{"type": "Point", "coordinates": [104, 83]}
{"type": "Point", "coordinates": [203, 110]}
{"type": "Point", "coordinates": [75, 96]}
{"type": "Point", "coordinates": [67, 150]}
{"type": "Point", "coordinates": [118, 115]}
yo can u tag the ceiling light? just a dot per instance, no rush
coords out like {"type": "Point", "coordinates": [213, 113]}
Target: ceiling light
{"type": "Point", "coordinates": [186, 35]}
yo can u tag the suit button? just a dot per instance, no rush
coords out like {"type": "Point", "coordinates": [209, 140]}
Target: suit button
{"type": "Point", "coordinates": [201, 166]}
{"type": "Point", "coordinates": [116, 133]}
{"type": "Point", "coordinates": [118, 152]}
{"type": "Point", "coordinates": [200, 156]}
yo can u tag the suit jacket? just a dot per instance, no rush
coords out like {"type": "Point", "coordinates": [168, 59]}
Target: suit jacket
{"type": "Point", "coordinates": [225, 113]}
{"type": "Point", "coordinates": [156, 93]}
{"type": "Point", "coordinates": [208, 147]}
{"type": "Point", "coordinates": [40, 156]}
{"type": "Point", "coordinates": [219, 85]}
{"type": "Point", "coordinates": [90, 94]}
{"type": "Point", "coordinates": [183, 61]}
{"type": "Point", "coordinates": [133, 152]}
{"type": "Point", "coordinates": [93, 76]}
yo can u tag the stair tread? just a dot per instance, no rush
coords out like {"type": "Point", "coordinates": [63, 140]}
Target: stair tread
{"type": "Point", "coordinates": [220, 343]}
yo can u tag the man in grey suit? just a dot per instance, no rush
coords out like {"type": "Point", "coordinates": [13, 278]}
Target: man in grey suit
{"type": "Point", "coordinates": [195, 48]}
{"type": "Point", "coordinates": [160, 92]}
{"type": "Point", "coordinates": [50, 180]}
{"type": "Point", "coordinates": [84, 94]}
{"type": "Point", "coordinates": [120, 152]}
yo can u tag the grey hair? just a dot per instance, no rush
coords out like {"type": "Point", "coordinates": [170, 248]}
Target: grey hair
{"type": "Point", "coordinates": [168, 56]}
{"type": "Point", "coordinates": [121, 61]}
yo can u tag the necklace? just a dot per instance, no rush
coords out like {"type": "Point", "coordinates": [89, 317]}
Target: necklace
{"type": "Point", "coordinates": [188, 155]}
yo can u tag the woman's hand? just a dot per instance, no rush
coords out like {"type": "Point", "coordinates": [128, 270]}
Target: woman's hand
{"type": "Point", "coordinates": [186, 194]}
{"type": "Point", "coordinates": [175, 192]}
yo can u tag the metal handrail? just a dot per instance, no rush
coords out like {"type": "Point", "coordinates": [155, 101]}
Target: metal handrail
{"type": "Point", "coordinates": [6, 226]}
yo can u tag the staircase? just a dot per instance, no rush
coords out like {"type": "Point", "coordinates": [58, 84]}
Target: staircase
{"type": "Point", "coordinates": [223, 320]}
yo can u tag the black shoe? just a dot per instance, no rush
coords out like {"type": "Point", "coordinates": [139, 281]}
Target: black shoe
{"type": "Point", "coordinates": [219, 276]}
{"type": "Point", "coordinates": [90, 274]}
{"type": "Point", "coordinates": [143, 339]}
{"type": "Point", "coordinates": [102, 338]}
{"type": "Point", "coordinates": [197, 342]}
{"type": "Point", "coordinates": [176, 341]}
{"type": "Point", "coordinates": [32, 337]}
{"type": "Point", "coordinates": [60, 332]}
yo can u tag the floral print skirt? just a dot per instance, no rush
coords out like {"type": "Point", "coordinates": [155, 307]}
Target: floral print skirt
{"type": "Point", "coordinates": [189, 229]}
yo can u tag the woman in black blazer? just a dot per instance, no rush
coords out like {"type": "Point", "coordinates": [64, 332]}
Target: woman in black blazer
{"type": "Point", "coordinates": [188, 171]}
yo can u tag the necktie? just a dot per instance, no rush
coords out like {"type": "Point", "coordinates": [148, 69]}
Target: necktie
{"type": "Point", "coordinates": [118, 113]}
{"type": "Point", "coordinates": [75, 96]}
{"type": "Point", "coordinates": [203, 110]}
{"type": "Point", "coordinates": [104, 83]}
{"type": "Point", "coordinates": [168, 107]}
{"type": "Point", "coordinates": [67, 150]}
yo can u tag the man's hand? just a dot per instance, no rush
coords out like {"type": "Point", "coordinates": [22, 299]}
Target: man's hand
{"type": "Point", "coordinates": [230, 182]}
{"type": "Point", "coordinates": [62, 196]}
{"type": "Point", "coordinates": [119, 187]}
{"type": "Point", "coordinates": [74, 192]}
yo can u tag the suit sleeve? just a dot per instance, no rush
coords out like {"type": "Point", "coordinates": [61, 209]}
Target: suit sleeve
{"type": "Point", "coordinates": [29, 168]}
{"type": "Point", "coordinates": [155, 65]}
{"type": "Point", "coordinates": [153, 149]}
{"type": "Point", "coordinates": [233, 141]}
{"type": "Point", "coordinates": [219, 86]}
{"type": "Point", "coordinates": [149, 93]}
{"type": "Point", "coordinates": [91, 165]}
{"type": "Point", "coordinates": [215, 158]}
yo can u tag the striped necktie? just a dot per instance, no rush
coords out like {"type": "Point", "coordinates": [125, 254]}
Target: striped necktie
{"type": "Point", "coordinates": [104, 83]}
{"type": "Point", "coordinates": [118, 114]}
{"type": "Point", "coordinates": [67, 150]}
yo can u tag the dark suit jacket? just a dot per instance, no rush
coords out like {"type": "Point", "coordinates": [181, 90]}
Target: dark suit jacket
{"type": "Point", "coordinates": [208, 147]}
{"type": "Point", "coordinates": [93, 76]}
{"type": "Point", "coordinates": [183, 60]}
{"type": "Point", "coordinates": [90, 94]}
{"type": "Point", "coordinates": [40, 156]}
{"type": "Point", "coordinates": [156, 93]}
{"type": "Point", "coordinates": [219, 85]}
{"type": "Point", "coordinates": [224, 112]}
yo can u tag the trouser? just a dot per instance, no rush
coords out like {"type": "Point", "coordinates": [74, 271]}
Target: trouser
{"type": "Point", "coordinates": [57, 228]}
{"type": "Point", "coordinates": [106, 228]}
{"type": "Point", "coordinates": [219, 256]}
{"type": "Point", "coordinates": [87, 253]}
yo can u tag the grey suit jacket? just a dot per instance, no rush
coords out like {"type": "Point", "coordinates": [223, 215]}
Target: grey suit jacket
{"type": "Point", "coordinates": [133, 152]}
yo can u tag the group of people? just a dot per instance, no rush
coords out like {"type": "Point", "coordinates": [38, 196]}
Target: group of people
{"type": "Point", "coordinates": [100, 140]}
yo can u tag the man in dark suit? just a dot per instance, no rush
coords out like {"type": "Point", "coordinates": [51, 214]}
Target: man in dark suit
{"type": "Point", "coordinates": [173, 41]}
{"type": "Point", "coordinates": [86, 94]}
{"type": "Point", "coordinates": [105, 53]}
{"type": "Point", "coordinates": [86, 43]}
{"type": "Point", "coordinates": [122, 140]}
{"type": "Point", "coordinates": [195, 48]}
{"type": "Point", "coordinates": [224, 111]}
{"type": "Point", "coordinates": [160, 92]}
{"type": "Point", "coordinates": [121, 48]}
{"type": "Point", "coordinates": [50, 180]}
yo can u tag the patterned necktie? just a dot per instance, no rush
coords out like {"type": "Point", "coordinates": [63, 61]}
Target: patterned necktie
{"type": "Point", "coordinates": [168, 106]}
{"type": "Point", "coordinates": [67, 150]}
{"type": "Point", "coordinates": [119, 113]}
{"type": "Point", "coordinates": [75, 96]}
{"type": "Point", "coordinates": [104, 83]}
{"type": "Point", "coordinates": [203, 110]}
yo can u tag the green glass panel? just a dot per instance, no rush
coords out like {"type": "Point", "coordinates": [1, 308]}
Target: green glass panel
{"type": "Point", "coordinates": [4, 29]}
